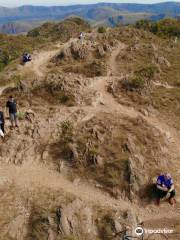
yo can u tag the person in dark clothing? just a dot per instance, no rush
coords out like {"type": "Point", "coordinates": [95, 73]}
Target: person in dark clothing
{"type": "Point", "coordinates": [26, 57]}
{"type": "Point", "coordinates": [165, 188]}
{"type": "Point", "coordinates": [12, 107]}
{"type": "Point", "coordinates": [2, 120]}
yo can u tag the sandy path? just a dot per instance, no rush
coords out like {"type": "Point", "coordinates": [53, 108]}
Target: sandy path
{"type": "Point", "coordinates": [38, 63]}
{"type": "Point", "coordinates": [31, 177]}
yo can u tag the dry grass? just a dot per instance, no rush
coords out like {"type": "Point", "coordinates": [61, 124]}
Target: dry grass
{"type": "Point", "coordinates": [94, 68]}
{"type": "Point", "coordinates": [115, 140]}
{"type": "Point", "coordinates": [167, 101]}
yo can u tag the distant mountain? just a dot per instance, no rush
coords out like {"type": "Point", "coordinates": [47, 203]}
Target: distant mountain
{"type": "Point", "coordinates": [17, 27]}
{"type": "Point", "coordinates": [101, 13]}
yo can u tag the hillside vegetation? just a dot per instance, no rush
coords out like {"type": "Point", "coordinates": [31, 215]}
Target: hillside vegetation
{"type": "Point", "coordinates": [12, 47]}
{"type": "Point", "coordinates": [166, 27]}
{"type": "Point", "coordinates": [98, 121]}
{"type": "Point", "coordinates": [62, 31]}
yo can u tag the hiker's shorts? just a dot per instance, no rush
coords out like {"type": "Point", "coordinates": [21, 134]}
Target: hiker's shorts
{"type": "Point", "coordinates": [13, 116]}
{"type": "Point", "coordinates": [161, 194]}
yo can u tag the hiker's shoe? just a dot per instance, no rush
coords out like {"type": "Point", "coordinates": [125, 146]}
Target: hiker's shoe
{"type": "Point", "coordinates": [172, 201]}
{"type": "Point", "coordinates": [158, 202]}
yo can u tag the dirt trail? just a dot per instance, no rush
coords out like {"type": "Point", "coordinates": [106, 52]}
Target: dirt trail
{"type": "Point", "coordinates": [112, 61]}
{"type": "Point", "coordinates": [40, 59]}
{"type": "Point", "coordinates": [31, 178]}
{"type": "Point", "coordinates": [34, 177]}
{"type": "Point", "coordinates": [109, 103]}
{"type": "Point", "coordinates": [164, 85]}
{"type": "Point", "coordinates": [100, 85]}
{"type": "Point", "coordinates": [106, 102]}
{"type": "Point", "coordinates": [131, 112]}
{"type": "Point", "coordinates": [38, 63]}
{"type": "Point", "coordinates": [3, 88]}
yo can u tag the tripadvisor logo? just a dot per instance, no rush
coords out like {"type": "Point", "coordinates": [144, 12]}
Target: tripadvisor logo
{"type": "Point", "coordinates": [139, 231]}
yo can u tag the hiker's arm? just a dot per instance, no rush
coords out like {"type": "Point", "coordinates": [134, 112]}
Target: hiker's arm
{"type": "Point", "coordinates": [16, 105]}
{"type": "Point", "coordinates": [172, 188]}
{"type": "Point", "coordinates": [165, 189]}
{"type": "Point", "coordinates": [7, 108]}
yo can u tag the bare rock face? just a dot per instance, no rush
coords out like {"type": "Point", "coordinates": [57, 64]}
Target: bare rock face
{"type": "Point", "coordinates": [16, 149]}
{"type": "Point", "coordinates": [74, 152]}
{"type": "Point", "coordinates": [71, 87]}
{"type": "Point", "coordinates": [16, 219]}
{"type": "Point", "coordinates": [80, 51]}
{"type": "Point", "coordinates": [162, 61]}
{"type": "Point", "coordinates": [76, 50]}
{"type": "Point", "coordinates": [101, 51]}
{"type": "Point", "coordinates": [154, 46]}
{"type": "Point", "coordinates": [131, 218]}
{"type": "Point", "coordinates": [18, 228]}
{"type": "Point", "coordinates": [77, 219]}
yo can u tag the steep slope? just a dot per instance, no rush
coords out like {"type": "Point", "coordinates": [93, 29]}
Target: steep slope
{"type": "Point", "coordinates": [82, 162]}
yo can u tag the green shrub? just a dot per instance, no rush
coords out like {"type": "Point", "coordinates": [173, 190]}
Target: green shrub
{"type": "Point", "coordinates": [165, 27]}
{"type": "Point", "coordinates": [34, 33]}
{"type": "Point", "coordinates": [147, 72]}
{"type": "Point", "coordinates": [17, 80]}
{"type": "Point", "coordinates": [66, 131]}
{"type": "Point", "coordinates": [101, 29]}
{"type": "Point", "coordinates": [144, 24]}
{"type": "Point", "coordinates": [21, 115]}
{"type": "Point", "coordinates": [4, 59]}
{"type": "Point", "coordinates": [91, 155]}
{"type": "Point", "coordinates": [135, 83]}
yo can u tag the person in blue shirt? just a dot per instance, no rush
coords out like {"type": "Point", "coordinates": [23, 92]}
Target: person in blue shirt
{"type": "Point", "coordinates": [165, 188]}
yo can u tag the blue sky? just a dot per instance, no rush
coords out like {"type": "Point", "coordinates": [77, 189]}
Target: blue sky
{"type": "Point", "coordinates": [12, 3]}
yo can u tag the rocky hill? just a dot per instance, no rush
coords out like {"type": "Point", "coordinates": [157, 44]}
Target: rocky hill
{"type": "Point", "coordinates": [109, 14]}
{"type": "Point", "coordinates": [98, 121]}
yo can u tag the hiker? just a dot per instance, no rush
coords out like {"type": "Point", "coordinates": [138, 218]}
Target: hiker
{"type": "Point", "coordinates": [1, 123]}
{"type": "Point", "coordinates": [26, 57]}
{"type": "Point", "coordinates": [12, 106]}
{"type": "Point", "coordinates": [81, 35]}
{"type": "Point", "coordinates": [165, 188]}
